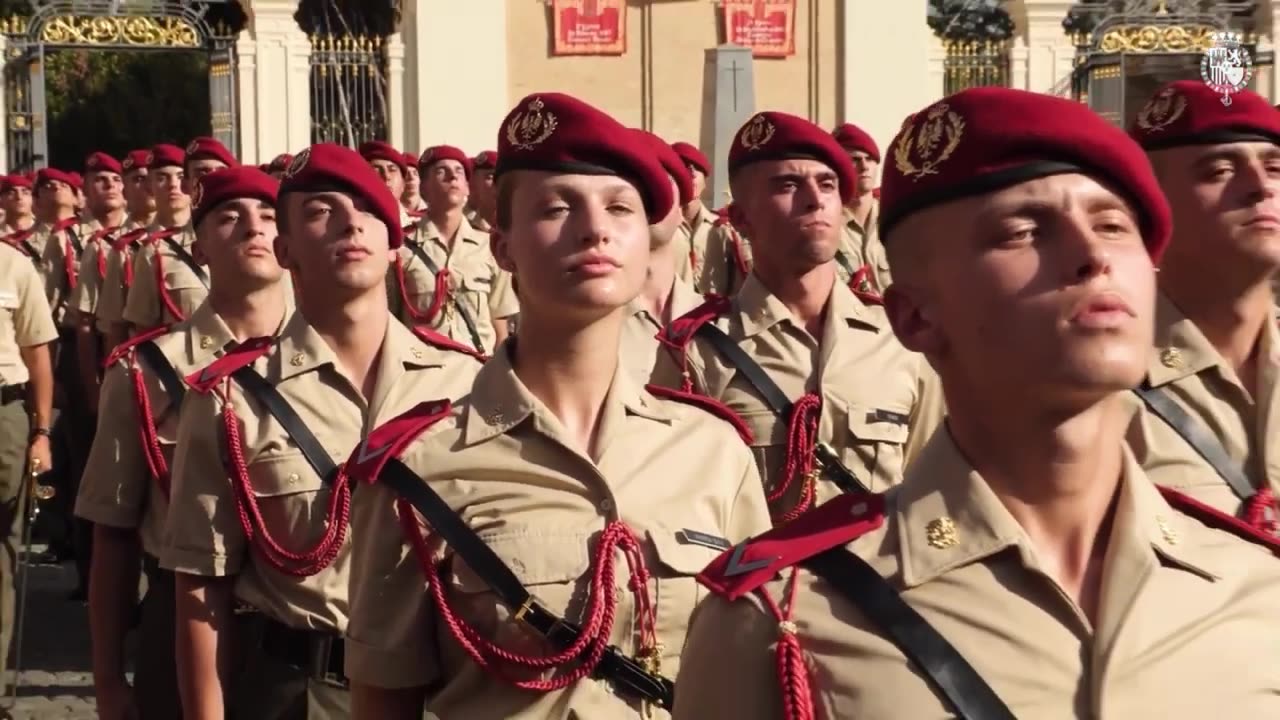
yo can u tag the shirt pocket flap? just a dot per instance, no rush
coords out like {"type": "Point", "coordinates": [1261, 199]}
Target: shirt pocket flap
{"type": "Point", "coordinates": [680, 556]}
{"type": "Point", "coordinates": [536, 559]}
{"type": "Point", "coordinates": [477, 283]}
{"type": "Point", "coordinates": [279, 474]}
{"type": "Point", "coordinates": [872, 424]}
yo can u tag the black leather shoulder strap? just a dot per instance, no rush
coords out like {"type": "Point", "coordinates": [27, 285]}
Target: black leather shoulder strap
{"type": "Point", "coordinates": [778, 402]}
{"type": "Point", "coordinates": [165, 373]}
{"type": "Point", "coordinates": [627, 676]}
{"type": "Point", "coordinates": [187, 260]}
{"type": "Point", "coordinates": [457, 303]}
{"type": "Point", "coordinates": [264, 392]}
{"type": "Point", "coordinates": [847, 266]}
{"type": "Point", "coordinates": [76, 245]}
{"type": "Point", "coordinates": [1199, 438]}
{"type": "Point", "coordinates": [969, 696]}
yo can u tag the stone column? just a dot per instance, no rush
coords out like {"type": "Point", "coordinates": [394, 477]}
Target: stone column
{"type": "Point", "coordinates": [1019, 57]}
{"type": "Point", "coordinates": [275, 95]}
{"type": "Point", "coordinates": [4, 109]}
{"type": "Point", "coordinates": [396, 118]}
{"type": "Point", "coordinates": [1050, 54]}
{"type": "Point", "coordinates": [886, 74]}
{"type": "Point", "coordinates": [937, 65]}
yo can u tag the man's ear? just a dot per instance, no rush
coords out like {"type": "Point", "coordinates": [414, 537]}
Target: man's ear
{"type": "Point", "coordinates": [281, 246]}
{"type": "Point", "coordinates": [499, 244]}
{"type": "Point", "coordinates": [912, 319]}
{"type": "Point", "coordinates": [738, 219]}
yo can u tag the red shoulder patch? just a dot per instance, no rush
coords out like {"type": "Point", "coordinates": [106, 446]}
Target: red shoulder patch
{"type": "Point", "coordinates": [679, 332]}
{"type": "Point", "coordinates": [862, 289]}
{"type": "Point", "coordinates": [876, 193]}
{"type": "Point", "coordinates": [19, 236]}
{"type": "Point", "coordinates": [444, 342]}
{"type": "Point", "coordinates": [390, 439]}
{"type": "Point", "coordinates": [702, 402]}
{"type": "Point", "coordinates": [751, 564]}
{"type": "Point", "coordinates": [1219, 520]}
{"type": "Point", "coordinates": [237, 357]}
{"type": "Point", "coordinates": [123, 241]}
{"type": "Point", "coordinates": [125, 348]}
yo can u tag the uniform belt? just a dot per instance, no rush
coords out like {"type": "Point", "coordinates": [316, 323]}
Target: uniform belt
{"type": "Point", "coordinates": [319, 654]}
{"type": "Point", "coordinates": [13, 393]}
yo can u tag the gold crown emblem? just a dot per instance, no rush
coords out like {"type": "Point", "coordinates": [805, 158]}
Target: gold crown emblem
{"type": "Point", "coordinates": [426, 156]}
{"type": "Point", "coordinates": [193, 146]}
{"type": "Point", "coordinates": [1162, 110]}
{"type": "Point", "coordinates": [921, 148]}
{"type": "Point", "coordinates": [94, 161]}
{"type": "Point", "coordinates": [299, 162]}
{"type": "Point", "coordinates": [532, 127]}
{"type": "Point", "coordinates": [758, 132]}
{"type": "Point", "coordinates": [197, 191]}
{"type": "Point", "coordinates": [128, 163]}
{"type": "Point", "coordinates": [151, 157]}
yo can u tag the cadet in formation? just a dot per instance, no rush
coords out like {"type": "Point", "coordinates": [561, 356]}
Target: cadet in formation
{"type": "Point", "coordinates": [1027, 567]}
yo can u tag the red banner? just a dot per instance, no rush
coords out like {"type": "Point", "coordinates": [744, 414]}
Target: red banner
{"type": "Point", "coordinates": [768, 27]}
{"type": "Point", "coordinates": [589, 27]}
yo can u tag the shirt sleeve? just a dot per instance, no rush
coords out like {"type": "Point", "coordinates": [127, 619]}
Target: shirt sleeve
{"type": "Point", "coordinates": [33, 322]}
{"type": "Point", "coordinates": [114, 488]}
{"type": "Point", "coordinates": [110, 308]}
{"type": "Point", "coordinates": [142, 308]}
{"type": "Point", "coordinates": [502, 299]}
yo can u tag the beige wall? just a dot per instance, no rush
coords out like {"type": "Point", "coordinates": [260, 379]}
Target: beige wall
{"type": "Point", "coordinates": [658, 83]}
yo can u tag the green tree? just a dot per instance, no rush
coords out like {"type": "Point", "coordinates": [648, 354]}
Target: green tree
{"type": "Point", "coordinates": [970, 20]}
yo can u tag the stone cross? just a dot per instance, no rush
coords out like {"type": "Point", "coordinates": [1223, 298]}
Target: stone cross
{"type": "Point", "coordinates": [728, 102]}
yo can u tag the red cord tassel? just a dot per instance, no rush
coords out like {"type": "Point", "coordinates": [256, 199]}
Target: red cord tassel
{"type": "Point", "coordinates": [802, 439]}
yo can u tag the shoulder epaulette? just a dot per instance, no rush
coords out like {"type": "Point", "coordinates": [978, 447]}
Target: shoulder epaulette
{"type": "Point", "coordinates": [876, 193]}
{"type": "Point", "coordinates": [679, 332]}
{"type": "Point", "coordinates": [860, 284]}
{"type": "Point", "coordinates": [122, 350]}
{"type": "Point", "coordinates": [123, 241]}
{"type": "Point", "coordinates": [709, 404]}
{"type": "Point", "coordinates": [416, 213]}
{"type": "Point", "coordinates": [444, 342]}
{"type": "Point", "coordinates": [1219, 520]}
{"type": "Point", "coordinates": [18, 236]}
{"type": "Point", "coordinates": [392, 437]}
{"type": "Point", "coordinates": [752, 563]}
{"type": "Point", "coordinates": [237, 357]}
{"type": "Point", "coordinates": [162, 234]}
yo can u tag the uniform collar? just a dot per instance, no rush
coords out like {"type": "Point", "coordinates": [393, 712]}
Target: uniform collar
{"type": "Point", "coordinates": [704, 217]}
{"type": "Point", "coordinates": [466, 233]}
{"type": "Point", "coordinates": [873, 218]}
{"type": "Point", "coordinates": [207, 334]}
{"type": "Point", "coordinates": [682, 299]}
{"type": "Point", "coordinates": [1181, 349]}
{"type": "Point", "coordinates": [950, 518]}
{"type": "Point", "coordinates": [499, 401]}
{"type": "Point", "coordinates": [301, 350]}
{"type": "Point", "coordinates": [759, 309]}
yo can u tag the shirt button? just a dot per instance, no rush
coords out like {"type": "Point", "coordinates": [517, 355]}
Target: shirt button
{"type": "Point", "coordinates": [293, 478]}
{"type": "Point", "coordinates": [606, 505]}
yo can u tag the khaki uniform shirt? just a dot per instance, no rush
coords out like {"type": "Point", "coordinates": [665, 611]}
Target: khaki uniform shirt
{"type": "Point", "coordinates": [505, 465]}
{"type": "Point", "coordinates": [92, 269]}
{"type": "Point", "coordinates": [720, 274]}
{"type": "Point", "coordinates": [117, 489]}
{"type": "Point", "coordinates": [25, 318]}
{"type": "Point", "coordinates": [691, 244]}
{"type": "Point", "coordinates": [54, 248]}
{"type": "Point", "coordinates": [640, 346]}
{"type": "Point", "coordinates": [477, 222]}
{"type": "Point", "coordinates": [143, 307]}
{"type": "Point", "coordinates": [203, 534]}
{"type": "Point", "coordinates": [880, 402]}
{"type": "Point", "coordinates": [1188, 369]}
{"type": "Point", "coordinates": [113, 293]}
{"type": "Point", "coordinates": [862, 246]}
{"type": "Point", "coordinates": [1185, 627]}
{"type": "Point", "coordinates": [474, 278]}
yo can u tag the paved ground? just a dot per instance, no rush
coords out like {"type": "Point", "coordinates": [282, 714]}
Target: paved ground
{"type": "Point", "coordinates": [56, 683]}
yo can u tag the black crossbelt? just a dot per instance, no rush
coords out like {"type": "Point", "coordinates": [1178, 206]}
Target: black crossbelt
{"type": "Point", "coordinates": [778, 402]}
{"type": "Point", "coordinates": [75, 242]}
{"type": "Point", "coordinates": [188, 260]}
{"type": "Point", "coordinates": [969, 696]}
{"type": "Point", "coordinates": [280, 409]}
{"type": "Point", "coordinates": [627, 676]}
{"type": "Point", "coordinates": [165, 373]}
{"type": "Point", "coordinates": [1200, 440]}
{"type": "Point", "coordinates": [459, 305]}
{"type": "Point", "coordinates": [843, 259]}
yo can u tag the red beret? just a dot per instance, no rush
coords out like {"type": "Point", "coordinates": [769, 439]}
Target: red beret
{"type": "Point", "coordinates": [135, 160]}
{"type": "Point", "coordinates": [102, 162]}
{"type": "Point", "coordinates": [280, 163]}
{"type": "Point", "coordinates": [327, 166]}
{"type": "Point", "coordinates": [986, 139]}
{"type": "Point", "coordinates": [207, 148]}
{"type": "Point", "coordinates": [15, 181]}
{"type": "Point", "coordinates": [379, 150]}
{"type": "Point", "coordinates": [232, 183]}
{"type": "Point", "coordinates": [852, 137]}
{"type": "Point", "coordinates": [672, 163]}
{"type": "Point", "coordinates": [77, 181]}
{"type": "Point", "coordinates": [779, 136]}
{"type": "Point", "coordinates": [558, 133]}
{"type": "Point", "coordinates": [166, 156]}
{"type": "Point", "coordinates": [486, 160]}
{"type": "Point", "coordinates": [692, 156]}
{"type": "Point", "coordinates": [1189, 112]}
{"type": "Point", "coordinates": [436, 153]}
{"type": "Point", "coordinates": [45, 175]}
{"type": "Point", "coordinates": [410, 160]}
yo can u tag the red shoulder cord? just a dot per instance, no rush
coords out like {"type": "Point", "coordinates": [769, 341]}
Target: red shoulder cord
{"type": "Point", "coordinates": [126, 256]}
{"type": "Point", "coordinates": [298, 564]}
{"type": "Point", "coordinates": [1259, 511]}
{"type": "Point", "coordinates": [590, 645]}
{"type": "Point", "coordinates": [793, 673]}
{"type": "Point", "coordinates": [738, 258]}
{"type": "Point", "coordinates": [103, 238]}
{"type": "Point", "coordinates": [169, 304]}
{"type": "Point", "coordinates": [802, 440]}
{"type": "Point", "coordinates": [150, 437]}
{"type": "Point", "coordinates": [70, 262]}
{"type": "Point", "coordinates": [437, 299]}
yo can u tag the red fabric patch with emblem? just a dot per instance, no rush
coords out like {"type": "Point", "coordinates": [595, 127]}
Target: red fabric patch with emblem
{"type": "Point", "coordinates": [444, 342]}
{"type": "Point", "coordinates": [1219, 520]}
{"type": "Point", "coordinates": [237, 357]}
{"type": "Point", "coordinates": [126, 347]}
{"type": "Point", "coordinates": [679, 332]}
{"type": "Point", "coordinates": [702, 402]}
{"type": "Point", "coordinates": [751, 564]}
{"type": "Point", "coordinates": [392, 437]}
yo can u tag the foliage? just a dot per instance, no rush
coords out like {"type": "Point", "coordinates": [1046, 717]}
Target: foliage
{"type": "Point", "coordinates": [970, 20]}
{"type": "Point", "coordinates": [119, 101]}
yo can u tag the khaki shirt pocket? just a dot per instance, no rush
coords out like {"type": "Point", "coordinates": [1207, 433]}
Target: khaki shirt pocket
{"type": "Point", "coordinates": [873, 449]}
{"type": "Point", "coordinates": [677, 590]}
{"type": "Point", "coordinates": [291, 497]}
{"type": "Point", "coordinates": [768, 443]}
